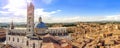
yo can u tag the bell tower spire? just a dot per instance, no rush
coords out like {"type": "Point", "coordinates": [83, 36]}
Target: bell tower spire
{"type": "Point", "coordinates": [30, 18]}
{"type": "Point", "coordinates": [12, 25]}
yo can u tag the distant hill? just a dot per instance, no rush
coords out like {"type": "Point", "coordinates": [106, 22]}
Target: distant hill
{"type": "Point", "coordinates": [23, 24]}
{"type": "Point", "coordinates": [4, 24]}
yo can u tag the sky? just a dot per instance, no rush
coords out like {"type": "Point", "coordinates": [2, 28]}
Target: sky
{"type": "Point", "coordinates": [55, 11]}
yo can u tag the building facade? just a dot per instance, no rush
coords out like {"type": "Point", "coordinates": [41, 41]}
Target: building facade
{"type": "Point", "coordinates": [32, 36]}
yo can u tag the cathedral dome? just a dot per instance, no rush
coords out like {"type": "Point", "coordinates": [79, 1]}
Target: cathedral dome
{"type": "Point", "coordinates": [41, 25]}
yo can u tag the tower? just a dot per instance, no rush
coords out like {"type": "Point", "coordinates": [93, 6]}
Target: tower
{"type": "Point", "coordinates": [11, 25]}
{"type": "Point", "coordinates": [30, 19]}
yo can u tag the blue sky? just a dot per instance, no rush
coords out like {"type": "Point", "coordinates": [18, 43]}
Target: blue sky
{"type": "Point", "coordinates": [83, 7]}
{"type": "Point", "coordinates": [62, 10]}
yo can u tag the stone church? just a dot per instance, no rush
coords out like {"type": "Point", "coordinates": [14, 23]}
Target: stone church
{"type": "Point", "coordinates": [35, 36]}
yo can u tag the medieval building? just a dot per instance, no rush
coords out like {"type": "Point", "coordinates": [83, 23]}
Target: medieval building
{"type": "Point", "coordinates": [35, 36]}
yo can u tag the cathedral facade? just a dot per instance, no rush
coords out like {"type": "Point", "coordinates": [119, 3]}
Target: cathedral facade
{"type": "Point", "coordinates": [34, 35]}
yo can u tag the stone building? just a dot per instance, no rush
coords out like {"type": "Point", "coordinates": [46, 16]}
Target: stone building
{"type": "Point", "coordinates": [32, 36]}
{"type": "Point", "coordinates": [2, 34]}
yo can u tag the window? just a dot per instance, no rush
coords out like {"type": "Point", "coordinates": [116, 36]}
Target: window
{"type": "Point", "coordinates": [33, 45]}
{"type": "Point", "coordinates": [27, 43]}
{"type": "Point", "coordinates": [29, 26]}
{"type": "Point", "coordinates": [13, 39]}
{"type": "Point", "coordinates": [9, 38]}
{"type": "Point", "coordinates": [29, 17]}
{"type": "Point", "coordinates": [29, 29]}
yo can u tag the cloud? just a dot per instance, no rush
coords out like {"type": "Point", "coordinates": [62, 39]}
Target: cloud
{"type": "Point", "coordinates": [3, 12]}
{"type": "Point", "coordinates": [14, 19]}
{"type": "Point", "coordinates": [29, 1]}
{"type": "Point", "coordinates": [45, 15]}
{"type": "Point", "coordinates": [112, 17]}
{"type": "Point", "coordinates": [16, 10]}
{"type": "Point", "coordinates": [84, 18]}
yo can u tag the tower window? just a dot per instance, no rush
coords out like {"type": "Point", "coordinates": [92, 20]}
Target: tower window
{"type": "Point", "coordinates": [29, 29]}
{"type": "Point", "coordinates": [29, 26]}
{"type": "Point", "coordinates": [29, 18]}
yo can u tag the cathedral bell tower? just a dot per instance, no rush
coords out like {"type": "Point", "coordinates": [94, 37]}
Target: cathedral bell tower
{"type": "Point", "coordinates": [30, 19]}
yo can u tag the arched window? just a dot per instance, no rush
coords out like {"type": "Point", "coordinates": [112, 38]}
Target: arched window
{"type": "Point", "coordinates": [29, 18]}
{"type": "Point", "coordinates": [9, 38]}
{"type": "Point", "coordinates": [33, 45]}
{"type": "Point", "coordinates": [29, 29]}
{"type": "Point", "coordinates": [13, 39]}
{"type": "Point", "coordinates": [27, 43]}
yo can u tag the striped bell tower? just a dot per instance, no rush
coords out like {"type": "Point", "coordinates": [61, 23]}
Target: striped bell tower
{"type": "Point", "coordinates": [30, 19]}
